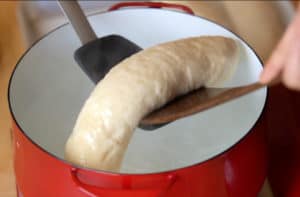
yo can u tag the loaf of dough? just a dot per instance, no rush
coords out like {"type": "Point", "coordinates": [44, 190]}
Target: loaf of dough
{"type": "Point", "coordinates": [140, 84]}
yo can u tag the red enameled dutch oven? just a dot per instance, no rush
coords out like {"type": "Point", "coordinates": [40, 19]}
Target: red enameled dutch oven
{"type": "Point", "coordinates": [217, 153]}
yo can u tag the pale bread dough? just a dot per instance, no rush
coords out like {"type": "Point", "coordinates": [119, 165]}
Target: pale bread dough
{"type": "Point", "coordinates": [140, 84]}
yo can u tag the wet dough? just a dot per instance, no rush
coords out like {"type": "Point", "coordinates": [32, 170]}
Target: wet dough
{"type": "Point", "coordinates": [140, 84]}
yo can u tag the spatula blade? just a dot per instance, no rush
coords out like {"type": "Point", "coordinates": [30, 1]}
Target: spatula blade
{"type": "Point", "coordinates": [97, 57]}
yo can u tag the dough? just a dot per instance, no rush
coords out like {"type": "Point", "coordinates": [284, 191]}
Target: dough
{"type": "Point", "coordinates": [140, 84]}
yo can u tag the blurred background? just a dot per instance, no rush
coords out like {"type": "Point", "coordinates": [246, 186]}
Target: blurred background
{"type": "Point", "coordinates": [261, 23]}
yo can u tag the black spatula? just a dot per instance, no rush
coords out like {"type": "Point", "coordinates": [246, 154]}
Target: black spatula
{"type": "Point", "coordinates": [96, 56]}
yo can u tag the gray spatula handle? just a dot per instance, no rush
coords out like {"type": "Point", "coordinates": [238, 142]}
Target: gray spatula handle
{"type": "Point", "coordinates": [78, 20]}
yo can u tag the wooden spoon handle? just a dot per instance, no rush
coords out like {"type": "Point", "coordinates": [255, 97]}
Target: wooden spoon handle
{"type": "Point", "coordinates": [197, 101]}
{"type": "Point", "coordinates": [78, 20]}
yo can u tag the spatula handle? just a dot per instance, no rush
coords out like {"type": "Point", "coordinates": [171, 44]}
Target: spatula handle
{"type": "Point", "coordinates": [78, 20]}
{"type": "Point", "coordinates": [197, 101]}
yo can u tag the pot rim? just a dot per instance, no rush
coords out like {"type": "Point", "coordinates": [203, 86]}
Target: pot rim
{"type": "Point", "coordinates": [72, 165]}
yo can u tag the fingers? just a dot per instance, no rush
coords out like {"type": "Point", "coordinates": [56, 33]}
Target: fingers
{"type": "Point", "coordinates": [285, 60]}
{"type": "Point", "coordinates": [270, 73]}
{"type": "Point", "coordinates": [291, 73]}
{"type": "Point", "coordinates": [274, 66]}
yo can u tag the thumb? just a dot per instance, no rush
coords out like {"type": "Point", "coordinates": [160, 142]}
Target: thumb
{"type": "Point", "coordinates": [270, 74]}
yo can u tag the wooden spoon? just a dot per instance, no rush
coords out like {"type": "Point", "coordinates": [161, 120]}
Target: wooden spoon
{"type": "Point", "coordinates": [196, 101]}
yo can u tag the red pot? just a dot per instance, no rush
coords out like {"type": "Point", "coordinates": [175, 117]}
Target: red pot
{"type": "Point", "coordinates": [217, 153]}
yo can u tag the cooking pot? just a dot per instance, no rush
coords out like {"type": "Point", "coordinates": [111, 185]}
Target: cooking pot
{"type": "Point", "coordinates": [217, 153]}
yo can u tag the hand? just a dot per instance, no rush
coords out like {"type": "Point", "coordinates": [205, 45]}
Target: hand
{"type": "Point", "coordinates": [284, 63]}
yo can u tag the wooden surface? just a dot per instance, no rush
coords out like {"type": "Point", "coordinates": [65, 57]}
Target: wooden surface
{"type": "Point", "coordinates": [11, 48]}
